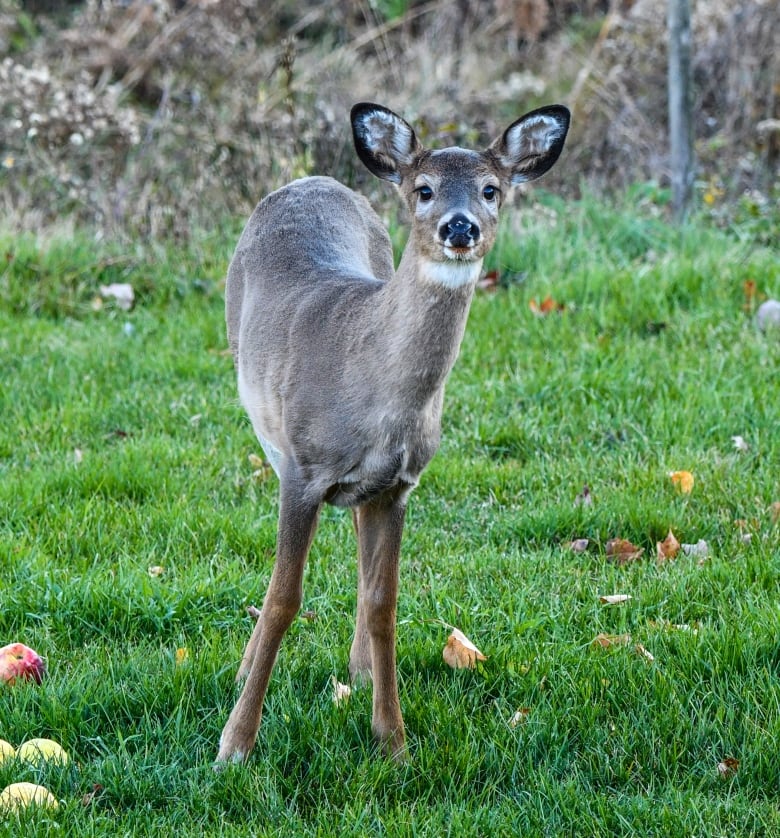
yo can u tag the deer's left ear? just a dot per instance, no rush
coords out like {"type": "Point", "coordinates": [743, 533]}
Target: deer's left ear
{"type": "Point", "coordinates": [530, 146]}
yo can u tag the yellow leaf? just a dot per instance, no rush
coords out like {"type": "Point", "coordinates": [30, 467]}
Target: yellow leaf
{"type": "Point", "coordinates": [460, 652]}
{"type": "Point", "coordinates": [667, 549]}
{"type": "Point", "coordinates": [683, 480]}
{"type": "Point", "coordinates": [182, 655]}
{"type": "Point", "coordinates": [156, 570]}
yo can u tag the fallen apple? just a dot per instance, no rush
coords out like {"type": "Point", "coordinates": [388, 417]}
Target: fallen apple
{"type": "Point", "coordinates": [20, 795]}
{"type": "Point", "coordinates": [20, 661]}
{"type": "Point", "coordinates": [42, 750]}
{"type": "Point", "coordinates": [6, 750]}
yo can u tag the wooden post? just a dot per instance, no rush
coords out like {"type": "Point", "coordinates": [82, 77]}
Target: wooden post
{"type": "Point", "coordinates": [680, 105]}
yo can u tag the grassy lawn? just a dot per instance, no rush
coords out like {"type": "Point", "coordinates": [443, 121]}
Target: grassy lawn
{"type": "Point", "coordinates": [123, 448]}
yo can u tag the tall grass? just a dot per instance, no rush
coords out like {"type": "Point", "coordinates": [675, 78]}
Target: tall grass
{"type": "Point", "coordinates": [123, 447]}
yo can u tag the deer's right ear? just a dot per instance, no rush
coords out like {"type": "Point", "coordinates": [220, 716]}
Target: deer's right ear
{"type": "Point", "coordinates": [383, 141]}
{"type": "Point", "coordinates": [530, 146]}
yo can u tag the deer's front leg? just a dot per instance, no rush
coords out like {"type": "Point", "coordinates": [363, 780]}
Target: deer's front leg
{"type": "Point", "coordinates": [297, 523]}
{"type": "Point", "coordinates": [380, 525]}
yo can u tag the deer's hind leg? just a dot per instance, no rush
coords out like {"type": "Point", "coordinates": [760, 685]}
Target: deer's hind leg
{"type": "Point", "coordinates": [379, 525]}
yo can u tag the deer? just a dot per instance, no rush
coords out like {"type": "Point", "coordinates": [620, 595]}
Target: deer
{"type": "Point", "coordinates": [341, 364]}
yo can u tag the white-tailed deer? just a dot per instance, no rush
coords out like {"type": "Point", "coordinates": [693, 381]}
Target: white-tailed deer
{"type": "Point", "coordinates": [342, 361]}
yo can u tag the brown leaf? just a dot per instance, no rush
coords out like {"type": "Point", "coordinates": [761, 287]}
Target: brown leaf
{"type": "Point", "coordinates": [774, 511]}
{"type": "Point", "coordinates": [728, 767]}
{"type": "Point", "coordinates": [607, 641]}
{"type": "Point", "coordinates": [667, 549]}
{"type": "Point", "coordinates": [545, 307]}
{"type": "Point", "coordinates": [89, 797]}
{"type": "Point", "coordinates": [460, 652]}
{"type": "Point", "coordinates": [749, 290]}
{"type": "Point", "coordinates": [620, 551]}
{"type": "Point", "coordinates": [490, 281]}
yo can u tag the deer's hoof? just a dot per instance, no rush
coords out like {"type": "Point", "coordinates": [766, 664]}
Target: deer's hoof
{"type": "Point", "coordinates": [234, 746]}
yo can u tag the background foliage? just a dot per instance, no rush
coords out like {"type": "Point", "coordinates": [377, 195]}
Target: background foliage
{"type": "Point", "coordinates": [150, 117]}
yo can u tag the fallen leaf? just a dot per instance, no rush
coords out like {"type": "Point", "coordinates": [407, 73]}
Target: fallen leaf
{"type": "Point", "coordinates": [490, 281]}
{"type": "Point", "coordinates": [665, 625]}
{"type": "Point", "coordinates": [683, 480]}
{"type": "Point", "coordinates": [620, 551]}
{"type": "Point", "coordinates": [341, 692]}
{"type": "Point", "coordinates": [614, 599]}
{"type": "Point", "coordinates": [579, 545]}
{"type": "Point", "coordinates": [156, 570]}
{"type": "Point", "coordinates": [699, 550]}
{"type": "Point", "coordinates": [309, 616]}
{"type": "Point", "coordinates": [728, 767]}
{"type": "Point", "coordinates": [607, 641]}
{"type": "Point", "coordinates": [740, 444]}
{"type": "Point", "coordinates": [667, 549]}
{"type": "Point", "coordinates": [640, 650]}
{"type": "Point", "coordinates": [182, 655]}
{"type": "Point", "coordinates": [774, 511]}
{"type": "Point", "coordinates": [89, 797]}
{"type": "Point", "coordinates": [547, 306]}
{"type": "Point", "coordinates": [262, 468]}
{"type": "Point", "coordinates": [520, 716]}
{"type": "Point", "coordinates": [460, 652]}
{"type": "Point", "coordinates": [122, 292]}
{"type": "Point", "coordinates": [584, 498]}
{"type": "Point", "coordinates": [749, 290]}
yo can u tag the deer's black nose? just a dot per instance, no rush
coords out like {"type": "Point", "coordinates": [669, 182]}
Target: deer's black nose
{"type": "Point", "coordinates": [459, 231]}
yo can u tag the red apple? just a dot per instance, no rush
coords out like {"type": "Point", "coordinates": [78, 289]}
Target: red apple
{"type": "Point", "coordinates": [20, 661]}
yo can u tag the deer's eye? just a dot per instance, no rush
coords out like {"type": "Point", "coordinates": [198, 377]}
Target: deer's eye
{"type": "Point", "coordinates": [490, 193]}
{"type": "Point", "coordinates": [425, 193]}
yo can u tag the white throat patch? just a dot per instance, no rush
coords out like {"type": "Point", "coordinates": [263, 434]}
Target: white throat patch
{"type": "Point", "coordinates": [452, 273]}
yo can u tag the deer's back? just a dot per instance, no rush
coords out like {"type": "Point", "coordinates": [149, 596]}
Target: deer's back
{"type": "Point", "coordinates": [302, 282]}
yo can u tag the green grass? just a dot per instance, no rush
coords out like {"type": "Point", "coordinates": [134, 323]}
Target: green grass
{"type": "Point", "coordinates": [653, 366]}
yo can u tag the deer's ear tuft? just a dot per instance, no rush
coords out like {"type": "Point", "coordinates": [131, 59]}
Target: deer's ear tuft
{"type": "Point", "coordinates": [530, 146]}
{"type": "Point", "coordinates": [384, 142]}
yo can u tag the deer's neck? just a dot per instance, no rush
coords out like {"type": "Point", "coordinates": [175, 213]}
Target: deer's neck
{"type": "Point", "coordinates": [424, 309]}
